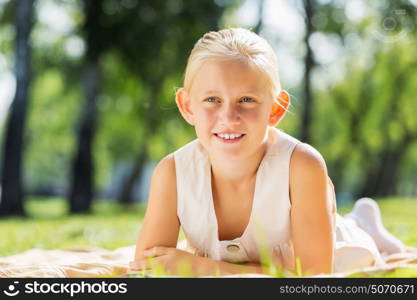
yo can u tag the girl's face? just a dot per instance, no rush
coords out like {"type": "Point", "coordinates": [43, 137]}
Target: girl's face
{"type": "Point", "coordinates": [230, 108]}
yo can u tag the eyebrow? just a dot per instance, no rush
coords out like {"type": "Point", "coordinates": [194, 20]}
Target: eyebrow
{"type": "Point", "coordinates": [246, 92]}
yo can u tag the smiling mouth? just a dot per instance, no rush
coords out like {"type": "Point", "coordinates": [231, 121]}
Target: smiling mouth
{"type": "Point", "coordinates": [230, 137]}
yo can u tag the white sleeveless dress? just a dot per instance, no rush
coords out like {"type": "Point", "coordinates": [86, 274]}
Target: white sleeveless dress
{"type": "Point", "coordinates": [269, 227]}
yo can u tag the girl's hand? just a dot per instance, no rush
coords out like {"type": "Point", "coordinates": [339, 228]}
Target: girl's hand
{"type": "Point", "coordinates": [172, 260]}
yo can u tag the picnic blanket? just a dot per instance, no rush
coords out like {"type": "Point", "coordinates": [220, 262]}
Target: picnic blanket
{"type": "Point", "coordinates": [98, 262]}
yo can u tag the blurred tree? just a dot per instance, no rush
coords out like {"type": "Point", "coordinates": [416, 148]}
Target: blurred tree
{"type": "Point", "coordinates": [171, 28]}
{"type": "Point", "coordinates": [366, 157]}
{"type": "Point", "coordinates": [382, 172]}
{"type": "Point", "coordinates": [310, 6]}
{"type": "Point", "coordinates": [372, 128]}
{"type": "Point", "coordinates": [82, 176]}
{"type": "Point", "coordinates": [12, 184]}
{"type": "Point", "coordinates": [166, 28]}
{"type": "Point", "coordinates": [261, 7]}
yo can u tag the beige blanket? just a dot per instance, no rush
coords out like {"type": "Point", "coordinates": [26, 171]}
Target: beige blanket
{"type": "Point", "coordinates": [98, 262]}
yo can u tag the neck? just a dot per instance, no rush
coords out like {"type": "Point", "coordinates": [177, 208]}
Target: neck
{"type": "Point", "coordinates": [239, 172]}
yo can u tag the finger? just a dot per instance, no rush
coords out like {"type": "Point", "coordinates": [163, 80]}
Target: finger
{"type": "Point", "coordinates": [157, 264]}
{"type": "Point", "coordinates": [287, 255]}
{"type": "Point", "coordinates": [277, 258]}
{"type": "Point", "coordinates": [156, 251]}
{"type": "Point", "coordinates": [139, 265]}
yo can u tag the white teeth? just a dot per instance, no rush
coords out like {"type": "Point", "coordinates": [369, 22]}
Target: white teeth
{"type": "Point", "coordinates": [229, 136]}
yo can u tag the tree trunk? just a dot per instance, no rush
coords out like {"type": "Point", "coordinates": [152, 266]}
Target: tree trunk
{"type": "Point", "coordinates": [388, 184]}
{"type": "Point", "coordinates": [81, 191]}
{"type": "Point", "coordinates": [382, 178]}
{"type": "Point", "coordinates": [150, 126]}
{"type": "Point", "coordinates": [82, 185]}
{"type": "Point", "coordinates": [126, 195]}
{"type": "Point", "coordinates": [309, 65]}
{"type": "Point", "coordinates": [259, 25]}
{"type": "Point", "coordinates": [12, 193]}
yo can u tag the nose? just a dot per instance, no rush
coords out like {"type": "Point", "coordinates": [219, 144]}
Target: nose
{"type": "Point", "coordinates": [229, 114]}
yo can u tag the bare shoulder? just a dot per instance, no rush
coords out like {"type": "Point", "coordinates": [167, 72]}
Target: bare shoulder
{"type": "Point", "coordinates": [163, 183]}
{"type": "Point", "coordinates": [166, 166]}
{"type": "Point", "coordinates": [308, 159]}
{"type": "Point", "coordinates": [308, 172]}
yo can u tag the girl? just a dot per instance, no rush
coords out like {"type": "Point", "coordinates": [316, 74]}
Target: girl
{"type": "Point", "coordinates": [244, 190]}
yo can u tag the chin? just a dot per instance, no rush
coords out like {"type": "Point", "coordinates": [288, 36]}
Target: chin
{"type": "Point", "coordinates": [229, 153]}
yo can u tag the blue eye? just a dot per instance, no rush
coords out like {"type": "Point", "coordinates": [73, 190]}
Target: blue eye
{"type": "Point", "coordinates": [211, 98]}
{"type": "Point", "coordinates": [251, 99]}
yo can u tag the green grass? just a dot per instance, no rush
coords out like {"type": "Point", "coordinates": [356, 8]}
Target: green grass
{"type": "Point", "coordinates": [50, 227]}
{"type": "Point", "coordinates": [399, 216]}
{"type": "Point", "coordinates": [111, 226]}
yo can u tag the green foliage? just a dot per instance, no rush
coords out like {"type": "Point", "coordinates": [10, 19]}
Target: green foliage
{"type": "Point", "coordinates": [144, 46]}
{"type": "Point", "coordinates": [367, 113]}
{"type": "Point", "coordinates": [109, 226]}
{"type": "Point", "coordinates": [49, 135]}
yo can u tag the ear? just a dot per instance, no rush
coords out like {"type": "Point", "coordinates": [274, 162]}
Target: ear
{"type": "Point", "coordinates": [279, 108]}
{"type": "Point", "coordinates": [184, 105]}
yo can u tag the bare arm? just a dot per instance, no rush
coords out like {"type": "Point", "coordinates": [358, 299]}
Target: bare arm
{"type": "Point", "coordinates": [161, 225]}
{"type": "Point", "coordinates": [312, 210]}
{"type": "Point", "coordinates": [160, 230]}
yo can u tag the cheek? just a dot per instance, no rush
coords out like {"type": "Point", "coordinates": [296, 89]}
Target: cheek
{"type": "Point", "coordinates": [253, 115]}
{"type": "Point", "coordinates": [205, 117]}
{"type": "Point", "coordinates": [204, 120]}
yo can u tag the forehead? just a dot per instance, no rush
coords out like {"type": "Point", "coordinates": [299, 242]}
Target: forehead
{"type": "Point", "coordinates": [228, 75]}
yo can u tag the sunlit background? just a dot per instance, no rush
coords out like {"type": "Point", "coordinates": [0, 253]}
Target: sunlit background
{"type": "Point", "coordinates": [100, 111]}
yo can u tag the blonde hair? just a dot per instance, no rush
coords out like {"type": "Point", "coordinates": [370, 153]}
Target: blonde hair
{"type": "Point", "coordinates": [235, 43]}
